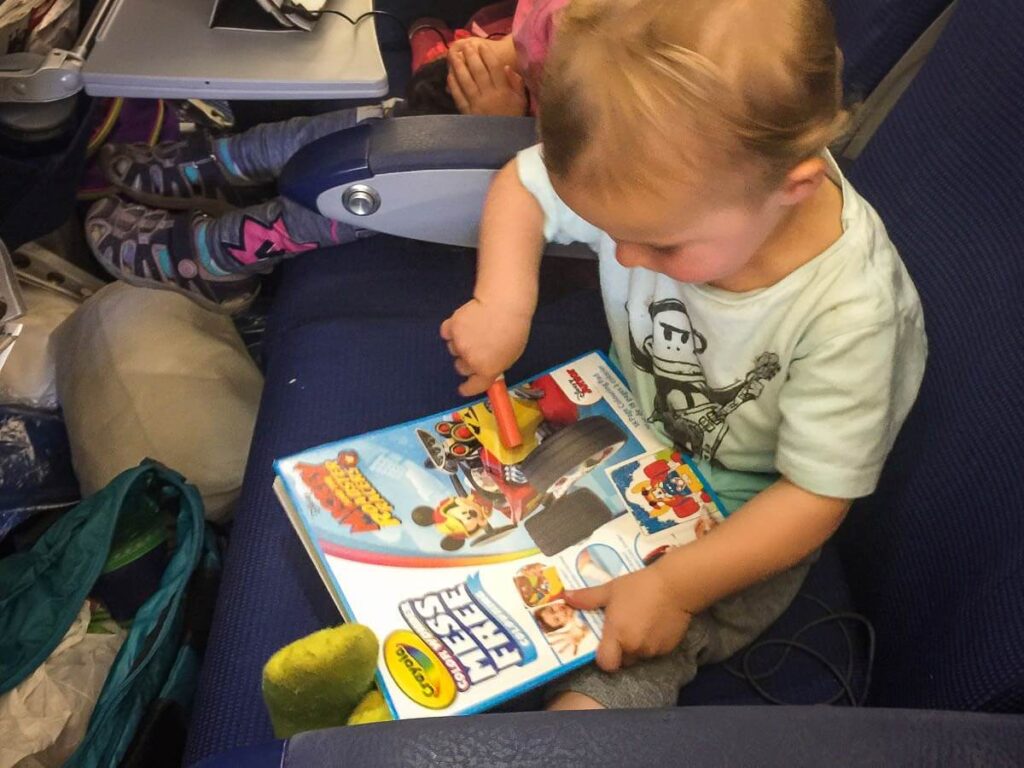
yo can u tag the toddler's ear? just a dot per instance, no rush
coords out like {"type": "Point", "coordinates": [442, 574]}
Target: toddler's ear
{"type": "Point", "coordinates": [803, 181]}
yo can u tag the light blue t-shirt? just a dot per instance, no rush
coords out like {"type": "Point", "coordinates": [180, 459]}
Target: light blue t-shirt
{"type": "Point", "coordinates": [811, 377]}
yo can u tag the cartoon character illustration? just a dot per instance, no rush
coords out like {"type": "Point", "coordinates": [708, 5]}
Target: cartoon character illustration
{"type": "Point", "coordinates": [457, 518]}
{"type": "Point", "coordinates": [538, 584]}
{"type": "Point", "coordinates": [532, 481]}
{"type": "Point", "coordinates": [673, 506]}
{"type": "Point", "coordinates": [693, 413]}
{"type": "Point", "coordinates": [670, 490]}
{"type": "Point", "coordinates": [704, 524]}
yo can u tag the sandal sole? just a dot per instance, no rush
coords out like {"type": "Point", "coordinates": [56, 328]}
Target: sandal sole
{"type": "Point", "coordinates": [198, 298]}
{"type": "Point", "coordinates": [202, 301]}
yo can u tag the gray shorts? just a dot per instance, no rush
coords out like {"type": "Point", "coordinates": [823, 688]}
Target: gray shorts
{"type": "Point", "coordinates": [715, 635]}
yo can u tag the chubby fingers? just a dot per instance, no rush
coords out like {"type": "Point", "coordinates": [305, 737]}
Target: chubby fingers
{"type": "Point", "coordinates": [460, 73]}
{"type": "Point", "coordinates": [589, 599]}
{"type": "Point", "coordinates": [609, 652]}
{"type": "Point", "coordinates": [475, 384]}
{"type": "Point", "coordinates": [449, 334]}
{"type": "Point", "coordinates": [458, 95]}
{"type": "Point", "coordinates": [479, 70]}
{"type": "Point", "coordinates": [492, 64]}
{"type": "Point", "coordinates": [458, 46]}
{"type": "Point", "coordinates": [476, 381]}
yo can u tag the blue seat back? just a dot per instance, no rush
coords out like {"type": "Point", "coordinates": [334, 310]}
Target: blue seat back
{"type": "Point", "coordinates": [936, 557]}
{"type": "Point", "coordinates": [874, 35]}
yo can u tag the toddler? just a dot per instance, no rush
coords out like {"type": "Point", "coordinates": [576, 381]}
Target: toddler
{"type": "Point", "coordinates": [760, 313]}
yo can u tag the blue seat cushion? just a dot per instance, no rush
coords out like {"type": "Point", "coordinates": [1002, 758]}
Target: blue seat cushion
{"type": "Point", "coordinates": [337, 365]}
{"type": "Point", "coordinates": [874, 35]}
{"type": "Point", "coordinates": [786, 674]}
{"type": "Point", "coordinates": [935, 558]}
{"type": "Point", "coordinates": [353, 346]}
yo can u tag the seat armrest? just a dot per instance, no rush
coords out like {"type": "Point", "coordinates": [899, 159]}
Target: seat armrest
{"type": "Point", "coordinates": [692, 736]}
{"type": "Point", "coordinates": [419, 177]}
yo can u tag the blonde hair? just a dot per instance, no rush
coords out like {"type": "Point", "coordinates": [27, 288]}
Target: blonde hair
{"type": "Point", "coordinates": [636, 86]}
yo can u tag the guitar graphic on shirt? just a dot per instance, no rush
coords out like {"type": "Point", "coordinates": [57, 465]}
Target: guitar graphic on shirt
{"type": "Point", "coordinates": [712, 422]}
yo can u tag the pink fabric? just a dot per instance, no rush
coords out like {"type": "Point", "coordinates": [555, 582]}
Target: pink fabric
{"type": "Point", "coordinates": [428, 44]}
{"type": "Point", "coordinates": [260, 241]}
{"type": "Point", "coordinates": [494, 20]}
{"type": "Point", "coordinates": [430, 38]}
{"type": "Point", "coordinates": [533, 28]}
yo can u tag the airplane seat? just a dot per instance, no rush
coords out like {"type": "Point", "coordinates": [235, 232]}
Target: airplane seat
{"type": "Point", "coordinates": [933, 558]}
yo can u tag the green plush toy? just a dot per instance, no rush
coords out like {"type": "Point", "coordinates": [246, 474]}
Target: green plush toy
{"type": "Point", "coordinates": [324, 680]}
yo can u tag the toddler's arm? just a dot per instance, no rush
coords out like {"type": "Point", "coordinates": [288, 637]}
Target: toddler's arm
{"type": "Point", "coordinates": [769, 534]}
{"type": "Point", "coordinates": [648, 612]}
{"type": "Point", "coordinates": [488, 333]}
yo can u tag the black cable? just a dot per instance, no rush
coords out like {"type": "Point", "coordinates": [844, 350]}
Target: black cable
{"type": "Point", "coordinates": [846, 681]}
{"type": "Point", "coordinates": [785, 654]}
{"type": "Point", "coordinates": [290, 7]}
{"type": "Point", "coordinates": [359, 18]}
{"type": "Point", "coordinates": [806, 649]}
{"type": "Point", "coordinates": [806, 628]}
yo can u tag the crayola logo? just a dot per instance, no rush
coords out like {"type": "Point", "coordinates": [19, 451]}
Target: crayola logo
{"type": "Point", "coordinates": [417, 671]}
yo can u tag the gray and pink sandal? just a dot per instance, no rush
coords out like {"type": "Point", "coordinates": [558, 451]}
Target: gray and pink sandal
{"type": "Point", "coordinates": [154, 248]}
{"type": "Point", "coordinates": [180, 175]}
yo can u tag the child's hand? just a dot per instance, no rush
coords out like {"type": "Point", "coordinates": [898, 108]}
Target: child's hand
{"type": "Point", "coordinates": [643, 617]}
{"type": "Point", "coordinates": [503, 48]}
{"type": "Point", "coordinates": [485, 340]}
{"type": "Point", "coordinates": [480, 84]}
{"type": "Point", "coordinates": [464, 44]}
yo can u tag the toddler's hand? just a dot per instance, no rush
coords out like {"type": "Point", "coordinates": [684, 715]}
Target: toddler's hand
{"type": "Point", "coordinates": [480, 84]}
{"type": "Point", "coordinates": [642, 617]}
{"type": "Point", "coordinates": [484, 340]}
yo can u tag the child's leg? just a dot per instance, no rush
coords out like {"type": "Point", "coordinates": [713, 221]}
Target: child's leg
{"type": "Point", "coordinates": [253, 239]}
{"type": "Point", "coordinates": [647, 684]}
{"type": "Point", "coordinates": [213, 261]}
{"type": "Point", "coordinates": [713, 636]}
{"type": "Point", "coordinates": [261, 152]}
{"type": "Point", "coordinates": [215, 175]}
{"type": "Point", "coordinates": [572, 700]}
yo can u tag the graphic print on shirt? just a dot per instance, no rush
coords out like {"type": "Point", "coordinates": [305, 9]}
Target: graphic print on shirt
{"type": "Point", "coordinates": [693, 413]}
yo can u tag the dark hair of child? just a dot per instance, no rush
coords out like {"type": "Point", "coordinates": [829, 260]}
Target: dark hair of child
{"type": "Point", "coordinates": [427, 92]}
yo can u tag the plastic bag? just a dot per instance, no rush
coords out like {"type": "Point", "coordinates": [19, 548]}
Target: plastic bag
{"type": "Point", "coordinates": [35, 466]}
{"type": "Point", "coordinates": [42, 590]}
{"type": "Point", "coordinates": [44, 718]}
{"type": "Point", "coordinates": [149, 374]}
{"type": "Point", "coordinates": [28, 376]}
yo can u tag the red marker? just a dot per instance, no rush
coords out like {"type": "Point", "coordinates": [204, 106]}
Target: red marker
{"type": "Point", "coordinates": [504, 415]}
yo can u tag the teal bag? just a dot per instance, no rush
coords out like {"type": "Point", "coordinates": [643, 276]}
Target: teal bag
{"type": "Point", "coordinates": [42, 590]}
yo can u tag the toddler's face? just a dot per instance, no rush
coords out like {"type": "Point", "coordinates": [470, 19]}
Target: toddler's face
{"type": "Point", "coordinates": [678, 234]}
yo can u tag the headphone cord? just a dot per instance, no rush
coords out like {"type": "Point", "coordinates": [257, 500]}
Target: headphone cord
{"type": "Point", "coordinates": [845, 679]}
{"type": "Point", "coordinates": [291, 7]}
